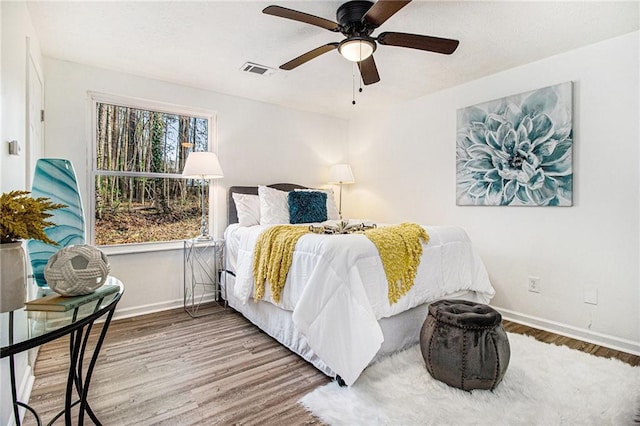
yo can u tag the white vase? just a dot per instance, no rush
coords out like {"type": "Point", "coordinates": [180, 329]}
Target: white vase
{"type": "Point", "coordinates": [12, 277]}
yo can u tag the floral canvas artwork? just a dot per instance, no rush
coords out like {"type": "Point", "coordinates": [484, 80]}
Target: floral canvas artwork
{"type": "Point", "coordinates": [517, 151]}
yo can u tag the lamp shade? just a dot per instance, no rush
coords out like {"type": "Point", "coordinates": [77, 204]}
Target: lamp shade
{"type": "Point", "coordinates": [341, 173]}
{"type": "Point", "coordinates": [202, 165]}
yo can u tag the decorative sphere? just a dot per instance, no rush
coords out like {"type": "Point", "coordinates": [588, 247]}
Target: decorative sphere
{"type": "Point", "coordinates": [77, 270]}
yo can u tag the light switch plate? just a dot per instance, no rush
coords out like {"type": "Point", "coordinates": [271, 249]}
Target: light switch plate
{"type": "Point", "coordinates": [14, 147]}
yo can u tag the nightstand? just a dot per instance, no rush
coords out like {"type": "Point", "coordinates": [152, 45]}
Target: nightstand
{"type": "Point", "coordinates": [203, 264]}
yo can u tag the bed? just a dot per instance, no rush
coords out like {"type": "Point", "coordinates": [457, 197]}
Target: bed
{"type": "Point", "coordinates": [333, 311]}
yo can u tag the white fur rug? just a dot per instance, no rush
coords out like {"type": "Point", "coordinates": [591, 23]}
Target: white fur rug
{"type": "Point", "coordinates": [544, 385]}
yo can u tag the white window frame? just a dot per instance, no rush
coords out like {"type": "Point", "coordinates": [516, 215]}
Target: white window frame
{"type": "Point", "coordinates": [212, 142]}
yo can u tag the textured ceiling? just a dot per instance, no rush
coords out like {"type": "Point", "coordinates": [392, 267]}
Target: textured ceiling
{"type": "Point", "coordinates": [204, 44]}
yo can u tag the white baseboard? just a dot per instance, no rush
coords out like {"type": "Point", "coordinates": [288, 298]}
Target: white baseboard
{"type": "Point", "coordinates": [585, 335]}
{"type": "Point", "coordinates": [153, 307]}
{"type": "Point", "coordinates": [146, 309]}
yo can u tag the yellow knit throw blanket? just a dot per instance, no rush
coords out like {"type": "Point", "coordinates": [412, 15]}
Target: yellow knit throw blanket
{"type": "Point", "coordinates": [399, 247]}
{"type": "Point", "coordinates": [400, 250]}
{"type": "Point", "coordinates": [273, 256]}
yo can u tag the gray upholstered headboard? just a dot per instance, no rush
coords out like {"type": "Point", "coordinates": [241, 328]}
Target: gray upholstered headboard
{"type": "Point", "coordinates": [232, 215]}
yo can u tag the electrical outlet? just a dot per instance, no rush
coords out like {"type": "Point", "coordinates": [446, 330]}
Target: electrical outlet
{"type": "Point", "coordinates": [534, 284]}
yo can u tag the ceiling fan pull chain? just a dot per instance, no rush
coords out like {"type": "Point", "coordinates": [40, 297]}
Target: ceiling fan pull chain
{"type": "Point", "coordinates": [353, 84]}
{"type": "Point", "coordinates": [359, 73]}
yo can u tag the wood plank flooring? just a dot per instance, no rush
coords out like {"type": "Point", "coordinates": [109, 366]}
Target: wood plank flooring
{"type": "Point", "coordinates": [169, 369]}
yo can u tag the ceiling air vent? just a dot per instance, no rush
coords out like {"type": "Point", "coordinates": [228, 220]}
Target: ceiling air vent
{"type": "Point", "coordinates": [257, 69]}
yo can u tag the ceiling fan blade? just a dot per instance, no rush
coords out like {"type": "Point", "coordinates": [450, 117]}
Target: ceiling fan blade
{"type": "Point", "coordinates": [414, 41]}
{"type": "Point", "coordinates": [369, 71]}
{"type": "Point", "coordinates": [383, 10]}
{"type": "Point", "coordinates": [306, 57]}
{"type": "Point", "coordinates": [283, 12]}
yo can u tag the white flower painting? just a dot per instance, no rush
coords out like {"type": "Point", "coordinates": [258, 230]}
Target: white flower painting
{"type": "Point", "coordinates": [517, 151]}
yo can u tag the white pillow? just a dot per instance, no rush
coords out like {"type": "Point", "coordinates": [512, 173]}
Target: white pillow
{"type": "Point", "coordinates": [248, 209]}
{"type": "Point", "coordinates": [332, 209]}
{"type": "Point", "coordinates": [274, 206]}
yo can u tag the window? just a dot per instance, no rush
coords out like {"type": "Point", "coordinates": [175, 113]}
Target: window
{"type": "Point", "coordinates": [139, 195]}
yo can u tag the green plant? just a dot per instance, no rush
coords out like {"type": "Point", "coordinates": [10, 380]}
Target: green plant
{"type": "Point", "coordinates": [25, 217]}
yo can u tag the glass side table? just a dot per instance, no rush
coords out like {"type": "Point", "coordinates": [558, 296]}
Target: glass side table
{"type": "Point", "coordinates": [77, 324]}
{"type": "Point", "coordinates": [203, 264]}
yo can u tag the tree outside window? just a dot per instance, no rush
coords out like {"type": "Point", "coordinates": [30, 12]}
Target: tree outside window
{"type": "Point", "coordinates": [140, 195]}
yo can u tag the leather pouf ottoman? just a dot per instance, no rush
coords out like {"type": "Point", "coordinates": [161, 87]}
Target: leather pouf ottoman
{"type": "Point", "coordinates": [464, 345]}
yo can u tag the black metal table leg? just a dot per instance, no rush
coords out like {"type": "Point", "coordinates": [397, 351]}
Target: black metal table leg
{"type": "Point", "coordinates": [14, 392]}
{"type": "Point", "coordinates": [75, 339]}
{"type": "Point", "coordinates": [80, 387]}
{"type": "Point", "coordinates": [12, 372]}
{"type": "Point", "coordinates": [84, 404]}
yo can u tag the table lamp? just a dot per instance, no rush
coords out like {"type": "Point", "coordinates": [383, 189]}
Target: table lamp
{"type": "Point", "coordinates": [203, 166]}
{"type": "Point", "coordinates": [341, 174]}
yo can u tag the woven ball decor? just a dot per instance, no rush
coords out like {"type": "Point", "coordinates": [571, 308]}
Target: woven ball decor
{"type": "Point", "coordinates": [77, 270]}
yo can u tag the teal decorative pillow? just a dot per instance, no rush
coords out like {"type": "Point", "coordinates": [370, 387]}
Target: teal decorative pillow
{"type": "Point", "coordinates": [307, 207]}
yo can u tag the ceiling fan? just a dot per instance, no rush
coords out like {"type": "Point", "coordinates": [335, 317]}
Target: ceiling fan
{"type": "Point", "coordinates": [357, 19]}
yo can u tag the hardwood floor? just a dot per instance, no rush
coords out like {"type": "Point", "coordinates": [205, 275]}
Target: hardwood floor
{"type": "Point", "coordinates": [167, 368]}
{"type": "Point", "coordinates": [590, 348]}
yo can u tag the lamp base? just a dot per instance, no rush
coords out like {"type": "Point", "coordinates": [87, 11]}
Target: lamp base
{"type": "Point", "coordinates": [204, 228]}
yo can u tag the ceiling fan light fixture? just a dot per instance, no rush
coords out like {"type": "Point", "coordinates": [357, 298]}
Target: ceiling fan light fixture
{"type": "Point", "coordinates": [357, 49]}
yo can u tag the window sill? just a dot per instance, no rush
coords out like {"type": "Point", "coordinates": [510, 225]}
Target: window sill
{"type": "Point", "coordinates": [122, 249]}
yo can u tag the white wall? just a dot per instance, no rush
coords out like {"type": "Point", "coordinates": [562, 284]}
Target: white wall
{"type": "Point", "coordinates": [404, 162]}
{"type": "Point", "coordinates": [17, 33]}
{"type": "Point", "coordinates": [258, 143]}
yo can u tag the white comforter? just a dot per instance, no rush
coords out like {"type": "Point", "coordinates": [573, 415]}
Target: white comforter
{"type": "Point", "coordinates": [337, 288]}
